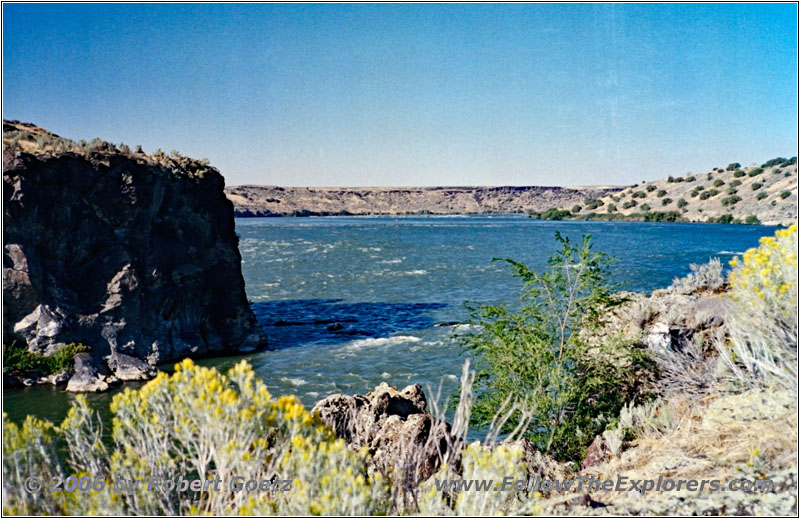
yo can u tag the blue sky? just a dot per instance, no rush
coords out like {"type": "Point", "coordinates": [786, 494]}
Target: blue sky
{"type": "Point", "coordinates": [403, 94]}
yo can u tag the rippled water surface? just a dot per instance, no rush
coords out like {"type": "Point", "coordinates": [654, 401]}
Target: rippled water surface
{"type": "Point", "coordinates": [349, 302]}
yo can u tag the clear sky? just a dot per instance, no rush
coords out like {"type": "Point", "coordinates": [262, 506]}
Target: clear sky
{"type": "Point", "coordinates": [401, 94]}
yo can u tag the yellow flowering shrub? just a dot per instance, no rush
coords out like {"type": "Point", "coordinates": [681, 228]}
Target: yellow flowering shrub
{"type": "Point", "coordinates": [198, 423]}
{"type": "Point", "coordinates": [765, 278]}
{"type": "Point", "coordinates": [194, 424]}
{"type": "Point", "coordinates": [761, 345]}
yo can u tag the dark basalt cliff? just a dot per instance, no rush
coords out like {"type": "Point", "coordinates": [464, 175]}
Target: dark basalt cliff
{"type": "Point", "coordinates": [133, 255]}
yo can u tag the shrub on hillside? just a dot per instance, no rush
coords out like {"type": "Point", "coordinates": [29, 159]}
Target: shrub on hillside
{"type": "Point", "coordinates": [666, 201]}
{"type": "Point", "coordinates": [738, 173]}
{"type": "Point", "coordinates": [755, 172]}
{"type": "Point", "coordinates": [638, 194]}
{"type": "Point", "coordinates": [682, 203]}
{"type": "Point", "coordinates": [593, 203]}
{"type": "Point", "coordinates": [774, 162]}
{"type": "Point", "coordinates": [732, 166]}
{"type": "Point", "coordinates": [731, 200]}
{"type": "Point", "coordinates": [661, 192]}
{"type": "Point", "coordinates": [705, 195]}
{"type": "Point", "coordinates": [761, 196]}
{"type": "Point", "coordinates": [651, 188]}
{"type": "Point", "coordinates": [755, 186]}
{"type": "Point", "coordinates": [629, 204]}
{"type": "Point", "coordinates": [785, 194]}
{"type": "Point", "coordinates": [718, 183]}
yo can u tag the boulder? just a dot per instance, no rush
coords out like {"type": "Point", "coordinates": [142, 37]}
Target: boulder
{"type": "Point", "coordinates": [88, 377]}
{"type": "Point", "coordinates": [405, 441]}
{"type": "Point", "coordinates": [127, 368]}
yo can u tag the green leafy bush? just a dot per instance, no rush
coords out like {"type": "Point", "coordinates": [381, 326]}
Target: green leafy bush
{"type": "Point", "coordinates": [645, 207]}
{"type": "Point", "coordinates": [731, 200]}
{"type": "Point", "coordinates": [761, 196]}
{"type": "Point", "coordinates": [718, 183]}
{"type": "Point", "coordinates": [18, 360]}
{"type": "Point", "coordinates": [682, 203]}
{"type": "Point", "coordinates": [725, 218]}
{"type": "Point", "coordinates": [690, 178]}
{"type": "Point", "coordinates": [611, 208]}
{"type": "Point", "coordinates": [661, 192]}
{"type": "Point", "coordinates": [657, 216]}
{"type": "Point", "coordinates": [629, 204]}
{"type": "Point", "coordinates": [638, 194]}
{"type": "Point", "coordinates": [735, 183]}
{"type": "Point", "coordinates": [755, 172]}
{"type": "Point", "coordinates": [553, 214]}
{"type": "Point", "coordinates": [576, 208]}
{"type": "Point", "coordinates": [789, 162]}
{"type": "Point", "coordinates": [755, 186]}
{"type": "Point", "coordinates": [650, 188]}
{"type": "Point", "coordinates": [666, 201]}
{"type": "Point", "coordinates": [535, 355]}
{"type": "Point", "coordinates": [705, 195]}
{"type": "Point", "coordinates": [785, 194]}
{"type": "Point", "coordinates": [732, 166]}
{"type": "Point", "coordinates": [732, 191]}
{"type": "Point", "coordinates": [738, 173]}
{"type": "Point", "coordinates": [752, 220]}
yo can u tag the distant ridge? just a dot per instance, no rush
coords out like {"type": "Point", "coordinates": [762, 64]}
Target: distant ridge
{"type": "Point", "coordinates": [250, 200]}
{"type": "Point", "coordinates": [765, 194]}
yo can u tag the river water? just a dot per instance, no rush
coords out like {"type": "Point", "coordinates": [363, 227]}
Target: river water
{"type": "Point", "coordinates": [349, 302]}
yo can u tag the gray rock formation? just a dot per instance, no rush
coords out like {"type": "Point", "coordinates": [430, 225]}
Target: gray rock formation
{"type": "Point", "coordinates": [405, 441]}
{"type": "Point", "coordinates": [132, 255]}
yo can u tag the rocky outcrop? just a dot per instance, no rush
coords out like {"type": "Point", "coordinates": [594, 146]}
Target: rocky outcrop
{"type": "Point", "coordinates": [326, 201]}
{"type": "Point", "coordinates": [133, 255]}
{"type": "Point", "coordinates": [405, 441]}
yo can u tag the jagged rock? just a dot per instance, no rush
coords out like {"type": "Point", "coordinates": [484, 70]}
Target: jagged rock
{"type": "Point", "coordinates": [405, 441]}
{"type": "Point", "coordinates": [59, 379]}
{"type": "Point", "coordinates": [88, 377]}
{"type": "Point", "coordinates": [126, 368]}
{"type": "Point", "coordinates": [126, 253]}
{"type": "Point", "coordinates": [597, 453]}
{"type": "Point", "coordinates": [40, 328]}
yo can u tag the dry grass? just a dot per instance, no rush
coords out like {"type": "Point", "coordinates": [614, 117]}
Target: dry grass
{"type": "Point", "coordinates": [719, 436]}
